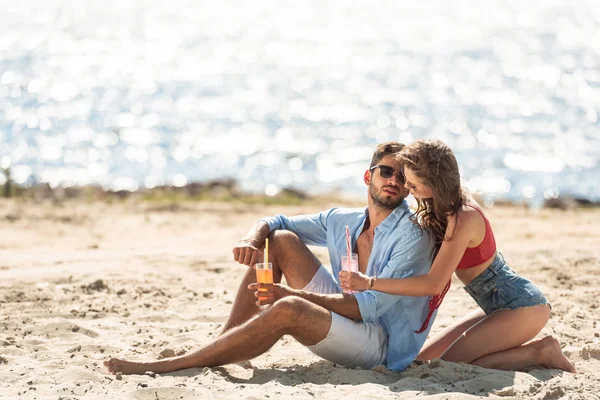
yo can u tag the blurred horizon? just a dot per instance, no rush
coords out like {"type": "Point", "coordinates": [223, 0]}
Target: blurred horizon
{"type": "Point", "coordinates": [131, 94]}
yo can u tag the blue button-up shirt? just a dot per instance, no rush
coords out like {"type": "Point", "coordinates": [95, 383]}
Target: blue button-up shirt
{"type": "Point", "coordinates": [400, 249]}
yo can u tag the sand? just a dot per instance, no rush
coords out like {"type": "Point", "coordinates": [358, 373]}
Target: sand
{"type": "Point", "coordinates": [80, 282]}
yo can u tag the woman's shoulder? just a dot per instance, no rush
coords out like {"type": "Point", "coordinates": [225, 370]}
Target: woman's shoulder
{"type": "Point", "coordinates": [470, 215]}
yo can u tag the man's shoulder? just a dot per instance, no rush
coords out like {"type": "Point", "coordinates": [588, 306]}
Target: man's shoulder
{"type": "Point", "coordinates": [348, 210]}
{"type": "Point", "coordinates": [344, 212]}
{"type": "Point", "coordinates": [408, 226]}
{"type": "Point", "coordinates": [411, 236]}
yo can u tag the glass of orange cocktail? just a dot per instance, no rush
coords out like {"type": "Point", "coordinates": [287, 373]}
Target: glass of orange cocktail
{"type": "Point", "coordinates": [264, 274]}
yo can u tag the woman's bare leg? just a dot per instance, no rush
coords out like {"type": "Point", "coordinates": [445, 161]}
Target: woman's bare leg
{"type": "Point", "coordinates": [436, 346]}
{"type": "Point", "coordinates": [497, 342]}
{"type": "Point", "coordinates": [545, 352]}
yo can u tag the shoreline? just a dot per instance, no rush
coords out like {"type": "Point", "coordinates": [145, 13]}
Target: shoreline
{"type": "Point", "coordinates": [228, 191]}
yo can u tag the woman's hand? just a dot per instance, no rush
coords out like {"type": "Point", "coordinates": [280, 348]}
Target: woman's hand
{"type": "Point", "coordinates": [354, 281]}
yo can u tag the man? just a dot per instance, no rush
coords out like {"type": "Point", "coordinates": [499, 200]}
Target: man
{"type": "Point", "coordinates": [362, 329]}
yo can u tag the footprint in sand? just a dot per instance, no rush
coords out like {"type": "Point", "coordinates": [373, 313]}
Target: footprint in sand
{"type": "Point", "coordinates": [64, 328]}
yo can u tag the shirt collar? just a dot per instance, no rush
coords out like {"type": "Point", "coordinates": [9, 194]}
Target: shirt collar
{"type": "Point", "coordinates": [391, 220]}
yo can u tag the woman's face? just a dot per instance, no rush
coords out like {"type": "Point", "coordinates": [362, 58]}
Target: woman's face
{"type": "Point", "coordinates": [417, 188]}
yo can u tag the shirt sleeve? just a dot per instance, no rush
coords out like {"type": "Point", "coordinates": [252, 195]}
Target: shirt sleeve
{"type": "Point", "coordinates": [410, 259]}
{"type": "Point", "coordinates": [311, 229]}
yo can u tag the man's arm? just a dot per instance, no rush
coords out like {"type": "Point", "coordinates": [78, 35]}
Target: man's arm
{"type": "Point", "coordinates": [342, 303]}
{"type": "Point", "coordinates": [311, 229]}
{"type": "Point", "coordinates": [246, 250]}
{"type": "Point", "coordinates": [410, 259]}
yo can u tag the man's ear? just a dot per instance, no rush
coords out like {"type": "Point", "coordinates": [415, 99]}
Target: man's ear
{"type": "Point", "coordinates": [367, 177]}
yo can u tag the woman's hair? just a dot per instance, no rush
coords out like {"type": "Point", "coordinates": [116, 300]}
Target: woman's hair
{"type": "Point", "coordinates": [434, 163]}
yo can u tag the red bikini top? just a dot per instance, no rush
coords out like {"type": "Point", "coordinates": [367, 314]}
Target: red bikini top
{"type": "Point", "coordinates": [473, 256]}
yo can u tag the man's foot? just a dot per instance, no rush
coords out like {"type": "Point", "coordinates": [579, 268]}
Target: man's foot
{"type": "Point", "coordinates": [551, 355]}
{"type": "Point", "coordinates": [115, 365]}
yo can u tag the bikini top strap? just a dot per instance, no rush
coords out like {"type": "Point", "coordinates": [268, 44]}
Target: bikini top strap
{"type": "Point", "coordinates": [488, 226]}
{"type": "Point", "coordinates": [478, 210]}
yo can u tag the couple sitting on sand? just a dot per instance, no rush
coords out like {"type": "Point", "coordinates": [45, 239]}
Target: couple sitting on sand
{"type": "Point", "coordinates": [405, 263]}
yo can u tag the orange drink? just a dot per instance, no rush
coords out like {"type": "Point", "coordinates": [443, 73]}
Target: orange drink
{"type": "Point", "coordinates": [264, 274]}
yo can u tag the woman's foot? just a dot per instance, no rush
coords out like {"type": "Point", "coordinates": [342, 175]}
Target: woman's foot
{"type": "Point", "coordinates": [115, 365]}
{"type": "Point", "coordinates": [551, 356]}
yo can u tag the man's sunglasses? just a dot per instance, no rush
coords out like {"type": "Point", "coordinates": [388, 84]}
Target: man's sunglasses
{"type": "Point", "coordinates": [386, 172]}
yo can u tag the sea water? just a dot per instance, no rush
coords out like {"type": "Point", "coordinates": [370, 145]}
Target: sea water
{"type": "Point", "coordinates": [287, 94]}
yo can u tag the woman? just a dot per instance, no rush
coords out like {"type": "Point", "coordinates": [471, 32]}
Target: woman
{"type": "Point", "coordinates": [513, 310]}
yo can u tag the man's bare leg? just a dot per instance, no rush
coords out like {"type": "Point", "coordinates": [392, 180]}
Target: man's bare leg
{"type": "Point", "coordinates": [291, 258]}
{"type": "Point", "coordinates": [306, 322]}
{"type": "Point", "coordinates": [244, 305]}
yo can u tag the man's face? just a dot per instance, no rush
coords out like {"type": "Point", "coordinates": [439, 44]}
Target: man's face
{"type": "Point", "coordinates": [386, 192]}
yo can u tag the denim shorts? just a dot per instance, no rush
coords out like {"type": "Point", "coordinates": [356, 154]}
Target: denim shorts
{"type": "Point", "coordinates": [499, 288]}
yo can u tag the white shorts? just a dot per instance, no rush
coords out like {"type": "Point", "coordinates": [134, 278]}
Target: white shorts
{"type": "Point", "coordinates": [348, 343]}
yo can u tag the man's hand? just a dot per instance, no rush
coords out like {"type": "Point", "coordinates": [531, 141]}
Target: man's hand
{"type": "Point", "coordinates": [271, 293]}
{"type": "Point", "coordinates": [354, 281]}
{"type": "Point", "coordinates": [246, 252]}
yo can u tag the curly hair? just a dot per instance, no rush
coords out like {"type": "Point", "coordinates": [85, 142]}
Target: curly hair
{"type": "Point", "coordinates": [433, 162]}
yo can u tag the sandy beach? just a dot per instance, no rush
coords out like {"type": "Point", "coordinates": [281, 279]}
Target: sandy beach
{"type": "Point", "coordinates": [81, 282]}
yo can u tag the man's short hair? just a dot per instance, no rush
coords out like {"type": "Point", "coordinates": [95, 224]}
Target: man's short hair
{"type": "Point", "coordinates": [385, 149]}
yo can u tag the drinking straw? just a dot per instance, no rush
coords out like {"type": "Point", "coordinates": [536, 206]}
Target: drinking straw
{"type": "Point", "coordinates": [267, 253]}
{"type": "Point", "coordinates": [348, 246]}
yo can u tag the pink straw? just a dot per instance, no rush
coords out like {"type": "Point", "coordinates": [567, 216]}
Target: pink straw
{"type": "Point", "coordinates": [348, 246]}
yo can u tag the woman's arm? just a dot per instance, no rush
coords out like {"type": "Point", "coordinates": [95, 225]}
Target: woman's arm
{"type": "Point", "coordinates": [435, 280]}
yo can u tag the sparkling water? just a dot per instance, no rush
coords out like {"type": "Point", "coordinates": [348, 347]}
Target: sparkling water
{"type": "Point", "coordinates": [278, 94]}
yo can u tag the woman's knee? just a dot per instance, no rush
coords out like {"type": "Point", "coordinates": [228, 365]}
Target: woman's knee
{"type": "Point", "coordinates": [501, 330]}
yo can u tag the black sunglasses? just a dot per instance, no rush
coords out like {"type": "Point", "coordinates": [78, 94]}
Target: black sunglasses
{"type": "Point", "coordinates": [386, 172]}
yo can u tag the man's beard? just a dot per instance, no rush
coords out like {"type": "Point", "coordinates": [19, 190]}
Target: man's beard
{"type": "Point", "coordinates": [384, 200]}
